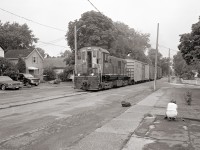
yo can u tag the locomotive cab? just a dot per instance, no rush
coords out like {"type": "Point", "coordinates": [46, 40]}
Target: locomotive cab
{"type": "Point", "coordinates": [90, 68]}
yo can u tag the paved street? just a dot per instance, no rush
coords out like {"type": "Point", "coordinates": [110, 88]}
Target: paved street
{"type": "Point", "coordinates": [60, 123]}
{"type": "Point", "coordinates": [96, 120]}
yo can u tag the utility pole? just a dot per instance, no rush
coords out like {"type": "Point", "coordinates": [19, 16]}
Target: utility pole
{"type": "Point", "coordinates": [169, 67]}
{"type": "Point", "coordinates": [75, 49]}
{"type": "Point", "coordinates": [156, 59]}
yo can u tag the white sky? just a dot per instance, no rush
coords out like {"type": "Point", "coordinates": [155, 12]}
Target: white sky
{"type": "Point", "coordinates": [175, 17]}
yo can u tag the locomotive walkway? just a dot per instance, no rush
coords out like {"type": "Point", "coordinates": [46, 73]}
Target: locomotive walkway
{"type": "Point", "coordinates": [143, 125]}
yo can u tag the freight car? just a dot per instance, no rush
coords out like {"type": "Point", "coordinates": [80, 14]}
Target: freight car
{"type": "Point", "coordinates": [137, 71]}
{"type": "Point", "coordinates": [97, 70]}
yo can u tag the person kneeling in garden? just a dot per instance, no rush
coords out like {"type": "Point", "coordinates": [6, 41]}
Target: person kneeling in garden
{"type": "Point", "coordinates": [171, 112]}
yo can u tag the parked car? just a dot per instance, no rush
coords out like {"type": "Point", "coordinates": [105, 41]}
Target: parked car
{"type": "Point", "coordinates": [7, 83]}
{"type": "Point", "coordinates": [28, 79]}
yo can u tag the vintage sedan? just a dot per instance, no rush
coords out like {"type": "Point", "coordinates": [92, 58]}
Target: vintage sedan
{"type": "Point", "coordinates": [28, 79]}
{"type": "Point", "coordinates": [7, 83]}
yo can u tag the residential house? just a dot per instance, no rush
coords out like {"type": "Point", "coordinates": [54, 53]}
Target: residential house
{"type": "Point", "coordinates": [1, 52]}
{"type": "Point", "coordinates": [33, 59]}
{"type": "Point", "coordinates": [57, 64]}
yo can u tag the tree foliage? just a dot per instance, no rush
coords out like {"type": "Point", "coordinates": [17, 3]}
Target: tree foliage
{"type": "Point", "coordinates": [7, 68]}
{"type": "Point", "coordinates": [49, 73]}
{"type": "Point", "coordinates": [21, 65]}
{"type": "Point", "coordinates": [164, 64]}
{"type": "Point", "coordinates": [65, 75]}
{"type": "Point", "coordinates": [181, 68]}
{"type": "Point", "coordinates": [16, 36]}
{"type": "Point", "coordinates": [41, 51]}
{"type": "Point", "coordinates": [190, 44]}
{"type": "Point", "coordinates": [151, 56]}
{"type": "Point", "coordinates": [95, 29]}
{"type": "Point", "coordinates": [65, 54]}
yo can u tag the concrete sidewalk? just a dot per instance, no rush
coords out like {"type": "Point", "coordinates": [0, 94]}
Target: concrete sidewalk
{"type": "Point", "coordinates": [115, 134]}
{"type": "Point", "coordinates": [143, 126]}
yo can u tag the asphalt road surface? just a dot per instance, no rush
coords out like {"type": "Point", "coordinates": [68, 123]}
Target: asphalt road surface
{"type": "Point", "coordinates": [61, 123]}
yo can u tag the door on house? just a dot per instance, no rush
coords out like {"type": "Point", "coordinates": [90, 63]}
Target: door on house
{"type": "Point", "coordinates": [31, 72]}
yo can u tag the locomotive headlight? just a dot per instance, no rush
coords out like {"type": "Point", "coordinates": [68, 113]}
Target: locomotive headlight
{"type": "Point", "coordinates": [92, 74]}
{"type": "Point", "coordinates": [79, 74]}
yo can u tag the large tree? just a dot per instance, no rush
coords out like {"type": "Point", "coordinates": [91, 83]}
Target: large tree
{"type": "Point", "coordinates": [16, 36]}
{"type": "Point", "coordinates": [164, 64]}
{"type": "Point", "coordinates": [181, 68]}
{"type": "Point", "coordinates": [95, 29]}
{"type": "Point", "coordinates": [151, 55]}
{"type": "Point", "coordinates": [190, 44]}
{"type": "Point", "coordinates": [129, 42]}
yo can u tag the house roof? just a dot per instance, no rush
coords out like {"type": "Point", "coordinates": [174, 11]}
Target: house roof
{"type": "Point", "coordinates": [57, 63]}
{"type": "Point", "coordinates": [16, 53]}
{"type": "Point", "coordinates": [1, 46]}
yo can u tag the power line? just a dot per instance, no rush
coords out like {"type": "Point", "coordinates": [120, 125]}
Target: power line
{"type": "Point", "coordinates": [52, 44]}
{"type": "Point", "coordinates": [32, 21]}
{"type": "Point", "coordinates": [94, 6]}
{"type": "Point", "coordinates": [102, 14]}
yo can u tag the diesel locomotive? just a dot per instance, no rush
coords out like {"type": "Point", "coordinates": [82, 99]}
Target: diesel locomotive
{"type": "Point", "coordinates": [97, 69]}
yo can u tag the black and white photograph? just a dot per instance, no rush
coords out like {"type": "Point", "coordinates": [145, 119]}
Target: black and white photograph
{"type": "Point", "coordinates": [99, 75]}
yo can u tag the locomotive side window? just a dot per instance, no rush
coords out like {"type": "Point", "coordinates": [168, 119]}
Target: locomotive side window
{"type": "Point", "coordinates": [98, 57]}
{"type": "Point", "coordinates": [94, 53]}
{"type": "Point", "coordinates": [79, 55]}
{"type": "Point", "coordinates": [106, 57]}
{"type": "Point", "coordinates": [83, 55]}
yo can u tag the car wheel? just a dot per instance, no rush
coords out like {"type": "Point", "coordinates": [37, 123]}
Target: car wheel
{"type": "Point", "coordinates": [3, 87]}
{"type": "Point", "coordinates": [36, 84]}
{"type": "Point", "coordinates": [26, 84]}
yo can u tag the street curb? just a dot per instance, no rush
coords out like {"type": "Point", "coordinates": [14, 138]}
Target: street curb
{"type": "Point", "coordinates": [15, 104]}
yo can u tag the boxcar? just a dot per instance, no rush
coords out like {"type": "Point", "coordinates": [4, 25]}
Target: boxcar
{"type": "Point", "coordinates": [135, 70]}
{"type": "Point", "coordinates": [151, 72]}
{"type": "Point", "coordinates": [147, 72]}
{"type": "Point", "coordinates": [159, 72]}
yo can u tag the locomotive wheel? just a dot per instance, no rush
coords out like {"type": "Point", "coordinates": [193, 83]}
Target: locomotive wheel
{"type": "Point", "coordinates": [100, 87]}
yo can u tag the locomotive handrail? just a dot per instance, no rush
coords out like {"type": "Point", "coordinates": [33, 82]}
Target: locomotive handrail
{"type": "Point", "coordinates": [99, 68]}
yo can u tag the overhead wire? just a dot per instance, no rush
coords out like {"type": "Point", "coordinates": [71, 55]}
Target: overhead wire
{"type": "Point", "coordinates": [46, 43]}
{"type": "Point", "coordinates": [32, 20]}
{"type": "Point", "coordinates": [52, 44]}
{"type": "Point", "coordinates": [102, 14]}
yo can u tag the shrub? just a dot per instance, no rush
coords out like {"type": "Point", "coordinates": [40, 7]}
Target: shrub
{"type": "Point", "coordinates": [65, 75]}
{"type": "Point", "coordinates": [8, 69]}
{"type": "Point", "coordinates": [21, 65]}
{"type": "Point", "coordinates": [49, 74]}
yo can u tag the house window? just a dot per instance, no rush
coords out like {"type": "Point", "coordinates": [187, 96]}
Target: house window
{"type": "Point", "coordinates": [34, 59]}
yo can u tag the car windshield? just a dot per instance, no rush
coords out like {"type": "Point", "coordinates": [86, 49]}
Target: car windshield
{"type": "Point", "coordinates": [5, 78]}
{"type": "Point", "coordinates": [28, 75]}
